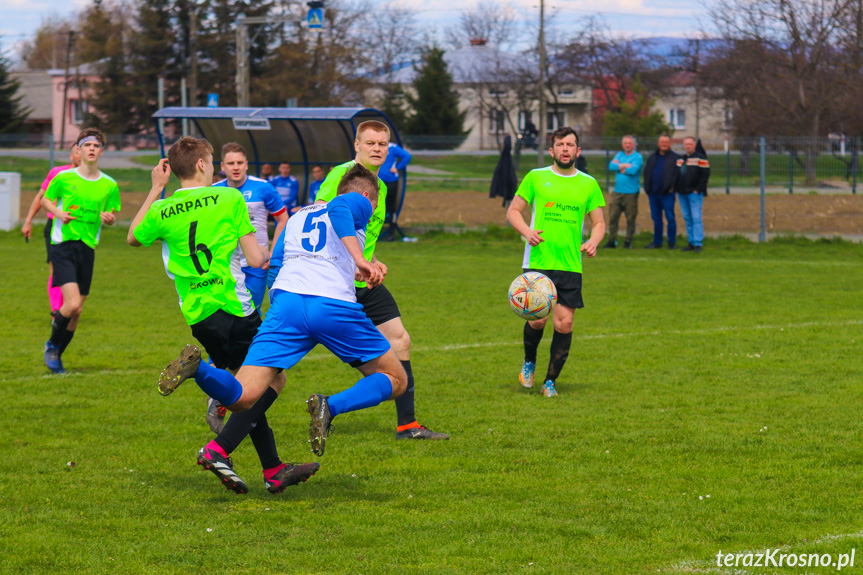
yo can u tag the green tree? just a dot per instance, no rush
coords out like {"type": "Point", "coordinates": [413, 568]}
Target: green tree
{"type": "Point", "coordinates": [103, 42]}
{"type": "Point", "coordinates": [319, 67]}
{"type": "Point", "coordinates": [633, 116]}
{"type": "Point", "coordinates": [435, 102]}
{"type": "Point", "coordinates": [12, 112]}
{"type": "Point", "coordinates": [392, 104]}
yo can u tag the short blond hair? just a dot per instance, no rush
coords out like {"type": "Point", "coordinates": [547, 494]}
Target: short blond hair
{"type": "Point", "coordinates": [373, 125]}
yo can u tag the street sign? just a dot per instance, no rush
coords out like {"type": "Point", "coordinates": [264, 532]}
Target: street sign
{"type": "Point", "coordinates": [212, 100]}
{"type": "Point", "coordinates": [316, 17]}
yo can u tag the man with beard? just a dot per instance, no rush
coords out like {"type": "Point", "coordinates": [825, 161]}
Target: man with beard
{"type": "Point", "coordinates": [560, 196]}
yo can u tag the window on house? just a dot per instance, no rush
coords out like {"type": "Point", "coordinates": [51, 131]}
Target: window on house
{"type": "Point", "coordinates": [496, 122]}
{"type": "Point", "coordinates": [677, 118]}
{"type": "Point", "coordinates": [523, 119]}
{"type": "Point", "coordinates": [499, 92]}
{"type": "Point", "coordinates": [727, 118]}
{"type": "Point", "coordinates": [79, 110]}
{"type": "Point", "coordinates": [565, 91]}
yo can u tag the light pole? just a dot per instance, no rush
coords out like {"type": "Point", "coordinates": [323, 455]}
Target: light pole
{"type": "Point", "coordinates": [540, 90]}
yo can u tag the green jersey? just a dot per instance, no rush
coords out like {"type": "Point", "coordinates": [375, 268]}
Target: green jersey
{"type": "Point", "coordinates": [86, 200]}
{"type": "Point", "coordinates": [559, 206]}
{"type": "Point", "coordinates": [328, 190]}
{"type": "Point", "coordinates": [200, 230]}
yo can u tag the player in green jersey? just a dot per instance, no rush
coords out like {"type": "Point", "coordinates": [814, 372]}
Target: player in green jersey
{"type": "Point", "coordinates": [371, 146]}
{"type": "Point", "coordinates": [203, 231]}
{"type": "Point", "coordinates": [81, 200]}
{"type": "Point", "coordinates": [560, 197]}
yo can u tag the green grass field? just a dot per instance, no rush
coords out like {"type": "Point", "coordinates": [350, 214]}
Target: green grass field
{"type": "Point", "coordinates": [710, 403]}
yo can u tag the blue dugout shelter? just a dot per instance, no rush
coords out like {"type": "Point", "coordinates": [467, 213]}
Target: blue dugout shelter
{"type": "Point", "coordinates": [305, 137]}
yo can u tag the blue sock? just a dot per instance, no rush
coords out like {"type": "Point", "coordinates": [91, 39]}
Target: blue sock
{"type": "Point", "coordinates": [218, 384]}
{"type": "Point", "coordinates": [367, 392]}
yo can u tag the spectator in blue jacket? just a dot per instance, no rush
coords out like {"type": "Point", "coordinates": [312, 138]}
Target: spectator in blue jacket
{"type": "Point", "coordinates": [397, 159]}
{"type": "Point", "coordinates": [318, 175]}
{"type": "Point", "coordinates": [288, 187]}
{"type": "Point", "coordinates": [626, 166]}
{"type": "Point", "coordinates": [660, 177]}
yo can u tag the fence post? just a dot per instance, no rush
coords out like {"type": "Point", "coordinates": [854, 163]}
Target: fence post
{"type": "Point", "coordinates": [607, 173]}
{"type": "Point", "coordinates": [51, 153]}
{"type": "Point", "coordinates": [762, 236]}
{"type": "Point", "coordinates": [727, 169]}
{"type": "Point", "coordinates": [791, 171]}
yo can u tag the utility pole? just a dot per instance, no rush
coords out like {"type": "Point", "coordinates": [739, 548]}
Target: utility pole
{"type": "Point", "coordinates": [243, 75]}
{"type": "Point", "coordinates": [69, 44]}
{"type": "Point", "coordinates": [540, 90]}
{"type": "Point", "coordinates": [193, 58]}
{"type": "Point", "coordinates": [697, 65]}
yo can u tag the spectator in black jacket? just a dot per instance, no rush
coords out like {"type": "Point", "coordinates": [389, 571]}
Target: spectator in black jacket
{"type": "Point", "coordinates": [692, 175]}
{"type": "Point", "coordinates": [660, 175]}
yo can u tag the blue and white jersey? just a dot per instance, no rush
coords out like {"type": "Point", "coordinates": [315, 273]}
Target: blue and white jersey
{"type": "Point", "coordinates": [315, 260]}
{"type": "Point", "coordinates": [289, 190]}
{"type": "Point", "coordinates": [261, 199]}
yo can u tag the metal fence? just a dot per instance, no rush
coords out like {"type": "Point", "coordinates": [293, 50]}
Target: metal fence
{"type": "Point", "coordinates": [791, 164]}
{"type": "Point", "coordinates": [826, 165]}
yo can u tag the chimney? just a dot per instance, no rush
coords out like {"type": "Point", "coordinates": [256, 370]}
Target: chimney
{"type": "Point", "coordinates": [478, 41]}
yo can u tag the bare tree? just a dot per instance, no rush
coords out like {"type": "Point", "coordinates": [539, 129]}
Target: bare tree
{"type": "Point", "coordinates": [779, 62]}
{"type": "Point", "coordinates": [608, 62]}
{"type": "Point", "coordinates": [491, 21]}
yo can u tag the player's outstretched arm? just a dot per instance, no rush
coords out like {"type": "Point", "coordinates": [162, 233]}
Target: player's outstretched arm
{"type": "Point", "coordinates": [597, 232]}
{"type": "Point", "coordinates": [65, 217]}
{"type": "Point", "coordinates": [370, 272]}
{"type": "Point", "coordinates": [281, 221]}
{"type": "Point", "coordinates": [35, 206]}
{"type": "Point", "coordinates": [160, 176]}
{"type": "Point", "coordinates": [516, 220]}
{"type": "Point", "coordinates": [256, 254]}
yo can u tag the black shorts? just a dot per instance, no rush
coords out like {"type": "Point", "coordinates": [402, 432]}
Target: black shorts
{"type": "Point", "coordinates": [378, 304]}
{"type": "Point", "coordinates": [227, 337]}
{"type": "Point", "coordinates": [73, 263]}
{"type": "Point", "coordinates": [48, 239]}
{"type": "Point", "coordinates": [568, 286]}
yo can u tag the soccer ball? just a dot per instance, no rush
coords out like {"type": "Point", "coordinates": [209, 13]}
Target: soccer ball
{"type": "Point", "coordinates": [532, 296]}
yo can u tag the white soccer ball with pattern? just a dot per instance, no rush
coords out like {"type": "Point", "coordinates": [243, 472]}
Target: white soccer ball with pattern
{"type": "Point", "coordinates": [532, 296]}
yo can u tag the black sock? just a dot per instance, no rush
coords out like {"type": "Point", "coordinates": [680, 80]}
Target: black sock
{"type": "Point", "coordinates": [65, 338]}
{"type": "Point", "coordinates": [58, 326]}
{"type": "Point", "coordinates": [560, 343]}
{"type": "Point", "coordinates": [532, 337]}
{"type": "Point", "coordinates": [405, 403]}
{"type": "Point", "coordinates": [265, 443]}
{"type": "Point", "coordinates": [240, 424]}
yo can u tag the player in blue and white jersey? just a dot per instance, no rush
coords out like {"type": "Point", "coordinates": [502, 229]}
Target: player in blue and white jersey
{"type": "Point", "coordinates": [261, 199]}
{"type": "Point", "coordinates": [313, 301]}
{"type": "Point", "coordinates": [288, 187]}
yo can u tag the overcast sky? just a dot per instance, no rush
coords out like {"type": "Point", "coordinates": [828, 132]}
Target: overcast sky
{"type": "Point", "coordinates": [642, 18]}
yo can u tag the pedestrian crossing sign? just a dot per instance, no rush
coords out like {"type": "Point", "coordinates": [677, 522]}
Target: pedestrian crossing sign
{"type": "Point", "coordinates": [316, 17]}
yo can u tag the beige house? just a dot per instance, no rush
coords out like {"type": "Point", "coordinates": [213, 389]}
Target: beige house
{"type": "Point", "coordinates": [497, 101]}
{"type": "Point", "coordinates": [691, 111]}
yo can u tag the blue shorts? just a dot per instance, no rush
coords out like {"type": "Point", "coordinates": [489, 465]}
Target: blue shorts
{"type": "Point", "coordinates": [296, 323]}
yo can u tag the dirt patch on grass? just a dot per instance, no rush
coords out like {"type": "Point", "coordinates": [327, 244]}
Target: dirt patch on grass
{"type": "Point", "coordinates": [723, 214]}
